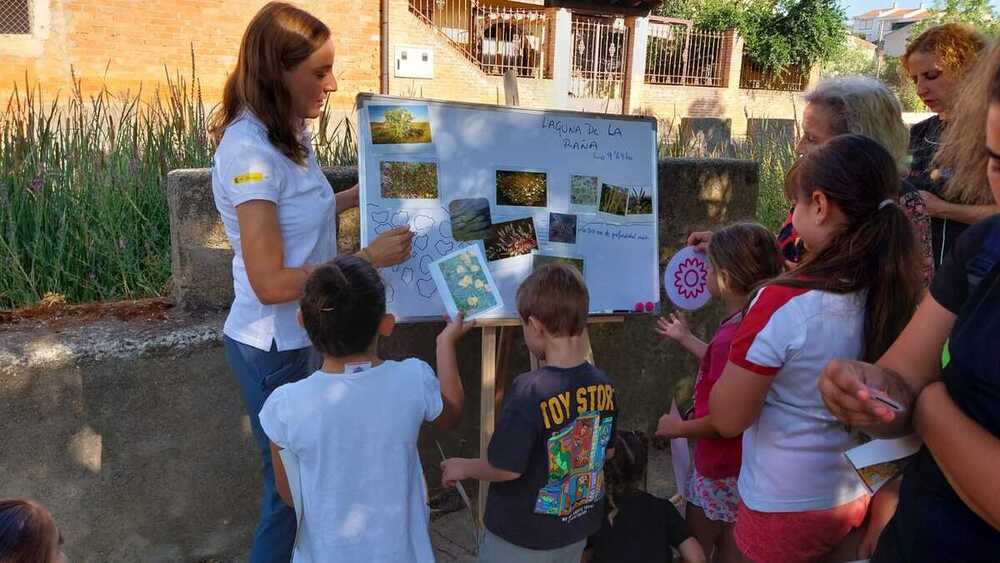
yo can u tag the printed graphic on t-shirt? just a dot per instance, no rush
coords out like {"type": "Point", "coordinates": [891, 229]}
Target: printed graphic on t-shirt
{"type": "Point", "coordinates": [576, 467]}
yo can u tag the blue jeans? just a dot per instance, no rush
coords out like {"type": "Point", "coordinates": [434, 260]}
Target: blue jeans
{"type": "Point", "coordinates": [259, 373]}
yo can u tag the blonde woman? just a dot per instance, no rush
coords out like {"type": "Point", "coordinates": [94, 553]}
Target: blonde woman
{"type": "Point", "coordinates": [279, 213]}
{"type": "Point", "coordinates": [936, 61]}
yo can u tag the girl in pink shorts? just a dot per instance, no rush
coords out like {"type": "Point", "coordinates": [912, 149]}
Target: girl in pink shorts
{"type": "Point", "coordinates": [849, 298]}
{"type": "Point", "coordinates": [741, 256]}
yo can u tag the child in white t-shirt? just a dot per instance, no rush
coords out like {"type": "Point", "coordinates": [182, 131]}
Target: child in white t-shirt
{"type": "Point", "coordinates": [353, 425]}
{"type": "Point", "coordinates": [850, 297]}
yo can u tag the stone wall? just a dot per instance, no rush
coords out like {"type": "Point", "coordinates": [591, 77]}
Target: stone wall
{"type": "Point", "coordinates": [133, 432]}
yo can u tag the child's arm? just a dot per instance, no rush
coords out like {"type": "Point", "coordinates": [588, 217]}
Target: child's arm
{"type": "Point", "coordinates": [457, 469]}
{"type": "Point", "coordinates": [737, 399]}
{"type": "Point", "coordinates": [673, 426]}
{"type": "Point", "coordinates": [880, 511]}
{"type": "Point", "coordinates": [676, 328]}
{"type": "Point", "coordinates": [280, 478]}
{"type": "Point", "coordinates": [691, 551]}
{"type": "Point", "coordinates": [452, 392]}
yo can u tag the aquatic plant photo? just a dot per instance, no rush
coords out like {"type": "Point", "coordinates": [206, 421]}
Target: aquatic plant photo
{"type": "Point", "coordinates": [614, 199]}
{"type": "Point", "coordinates": [640, 202]}
{"type": "Point", "coordinates": [409, 180]}
{"type": "Point", "coordinates": [470, 218]}
{"type": "Point", "coordinates": [522, 189]}
{"type": "Point", "coordinates": [539, 260]}
{"type": "Point", "coordinates": [583, 190]}
{"type": "Point", "coordinates": [468, 282]}
{"type": "Point", "coordinates": [510, 239]}
{"type": "Point", "coordinates": [562, 228]}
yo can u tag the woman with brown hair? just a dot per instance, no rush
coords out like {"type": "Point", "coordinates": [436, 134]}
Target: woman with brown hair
{"type": "Point", "coordinates": [28, 534]}
{"type": "Point", "coordinates": [937, 61]}
{"type": "Point", "coordinates": [279, 213]}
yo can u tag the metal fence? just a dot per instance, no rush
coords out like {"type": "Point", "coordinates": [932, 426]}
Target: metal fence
{"type": "Point", "coordinates": [679, 55]}
{"type": "Point", "coordinates": [494, 37]}
{"type": "Point", "coordinates": [600, 50]}
{"type": "Point", "coordinates": [755, 76]}
{"type": "Point", "coordinates": [15, 17]}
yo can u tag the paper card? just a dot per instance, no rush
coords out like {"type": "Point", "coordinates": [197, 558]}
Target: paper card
{"type": "Point", "coordinates": [686, 279]}
{"type": "Point", "coordinates": [680, 458]}
{"type": "Point", "coordinates": [878, 461]}
{"type": "Point", "coordinates": [465, 283]}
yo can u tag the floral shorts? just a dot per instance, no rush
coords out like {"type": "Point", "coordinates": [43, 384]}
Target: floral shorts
{"type": "Point", "coordinates": [719, 498]}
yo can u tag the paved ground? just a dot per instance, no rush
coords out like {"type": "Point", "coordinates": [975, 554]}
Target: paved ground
{"type": "Point", "coordinates": [452, 532]}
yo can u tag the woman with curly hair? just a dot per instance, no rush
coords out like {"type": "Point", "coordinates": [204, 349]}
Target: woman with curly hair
{"type": "Point", "coordinates": [937, 61]}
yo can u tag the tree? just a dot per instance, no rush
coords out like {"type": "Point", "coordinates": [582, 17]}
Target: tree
{"type": "Point", "coordinates": [399, 121]}
{"type": "Point", "coordinates": [978, 13]}
{"type": "Point", "coordinates": [777, 33]}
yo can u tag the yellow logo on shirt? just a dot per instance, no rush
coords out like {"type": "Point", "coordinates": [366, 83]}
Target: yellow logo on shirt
{"type": "Point", "coordinates": [249, 178]}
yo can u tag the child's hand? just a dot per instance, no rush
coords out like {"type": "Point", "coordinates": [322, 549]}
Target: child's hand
{"type": "Point", "coordinates": [844, 386]}
{"type": "Point", "coordinates": [700, 240]}
{"type": "Point", "coordinates": [674, 327]}
{"type": "Point", "coordinates": [670, 426]}
{"type": "Point", "coordinates": [455, 329]}
{"type": "Point", "coordinates": [452, 471]}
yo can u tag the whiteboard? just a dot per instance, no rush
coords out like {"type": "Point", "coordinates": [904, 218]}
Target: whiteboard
{"type": "Point", "coordinates": [431, 164]}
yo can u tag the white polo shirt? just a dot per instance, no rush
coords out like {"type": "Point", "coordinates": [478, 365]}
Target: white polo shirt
{"type": "Point", "coordinates": [793, 454]}
{"type": "Point", "coordinates": [248, 167]}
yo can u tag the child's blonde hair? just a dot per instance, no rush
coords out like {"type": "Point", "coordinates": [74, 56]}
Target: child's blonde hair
{"type": "Point", "coordinates": [744, 255]}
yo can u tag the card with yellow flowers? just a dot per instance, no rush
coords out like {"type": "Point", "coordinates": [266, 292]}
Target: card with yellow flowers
{"type": "Point", "coordinates": [465, 283]}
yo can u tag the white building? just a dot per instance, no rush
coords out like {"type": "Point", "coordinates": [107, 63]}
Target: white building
{"type": "Point", "coordinates": [876, 25]}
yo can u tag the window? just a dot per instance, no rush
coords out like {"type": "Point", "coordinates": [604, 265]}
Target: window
{"type": "Point", "coordinates": [15, 17]}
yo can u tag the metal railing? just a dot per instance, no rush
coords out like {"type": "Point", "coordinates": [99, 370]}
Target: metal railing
{"type": "Point", "coordinates": [600, 48]}
{"type": "Point", "coordinates": [678, 55]}
{"type": "Point", "coordinates": [755, 76]}
{"type": "Point", "coordinates": [496, 38]}
{"type": "Point", "coordinates": [15, 17]}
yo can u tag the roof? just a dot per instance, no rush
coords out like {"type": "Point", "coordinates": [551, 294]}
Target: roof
{"type": "Point", "coordinates": [611, 6]}
{"type": "Point", "coordinates": [895, 13]}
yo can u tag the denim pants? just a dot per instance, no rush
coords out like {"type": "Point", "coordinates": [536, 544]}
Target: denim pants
{"type": "Point", "coordinates": [258, 374]}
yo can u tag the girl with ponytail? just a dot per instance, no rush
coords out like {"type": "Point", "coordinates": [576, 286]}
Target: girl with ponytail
{"type": "Point", "coordinates": [353, 424]}
{"type": "Point", "coordinates": [849, 298]}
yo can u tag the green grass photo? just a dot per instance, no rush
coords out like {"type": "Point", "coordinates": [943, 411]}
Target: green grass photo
{"type": "Point", "coordinates": [409, 180]}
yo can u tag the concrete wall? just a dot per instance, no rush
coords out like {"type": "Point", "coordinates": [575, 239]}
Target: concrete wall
{"type": "Point", "coordinates": [133, 433]}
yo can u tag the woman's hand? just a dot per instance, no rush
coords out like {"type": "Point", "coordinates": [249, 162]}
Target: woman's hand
{"type": "Point", "coordinates": [391, 247]}
{"type": "Point", "coordinates": [347, 199]}
{"type": "Point", "coordinates": [700, 240]}
{"type": "Point", "coordinates": [844, 386]}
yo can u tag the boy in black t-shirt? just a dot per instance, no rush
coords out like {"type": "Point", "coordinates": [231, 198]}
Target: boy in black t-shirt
{"type": "Point", "coordinates": [546, 457]}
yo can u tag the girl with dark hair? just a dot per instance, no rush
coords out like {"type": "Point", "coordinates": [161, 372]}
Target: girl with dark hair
{"type": "Point", "coordinates": [945, 369]}
{"type": "Point", "coordinates": [279, 213]}
{"type": "Point", "coordinates": [741, 257]}
{"type": "Point", "coordinates": [638, 527]}
{"type": "Point", "coordinates": [28, 534]}
{"type": "Point", "coordinates": [353, 424]}
{"type": "Point", "coordinates": [849, 298]}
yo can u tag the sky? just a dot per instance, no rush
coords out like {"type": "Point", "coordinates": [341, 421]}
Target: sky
{"type": "Point", "coordinates": [855, 7]}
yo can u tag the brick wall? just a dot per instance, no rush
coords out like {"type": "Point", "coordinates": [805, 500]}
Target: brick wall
{"type": "Point", "coordinates": [125, 44]}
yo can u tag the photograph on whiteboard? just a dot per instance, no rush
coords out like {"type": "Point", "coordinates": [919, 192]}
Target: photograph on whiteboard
{"type": "Point", "coordinates": [470, 218]}
{"type": "Point", "coordinates": [409, 180]}
{"type": "Point", "coordinates": [399, 124]}
{"type": "Point", "coordinates": [510, 239]}
{"type": "Point", "coordinates": [640, 201]}
{"type": "Point", "coordinates": [614, 200]}
{"type": "Point", "coordinates": [521, 188]}
{"type": "Point", "coordinates": [465, 283]}
{"type": "Point", "coordinates": [562, 228]}
{"type": "Point", "coordinates": [583, 190]}
{"type": "Point", "coordinates": [540, 259]}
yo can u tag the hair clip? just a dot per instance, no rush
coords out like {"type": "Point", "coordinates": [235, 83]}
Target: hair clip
{"type": "Point", "coordinates": [885, 202]}
{"type": "Point", "coordinates": [326, 309]}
